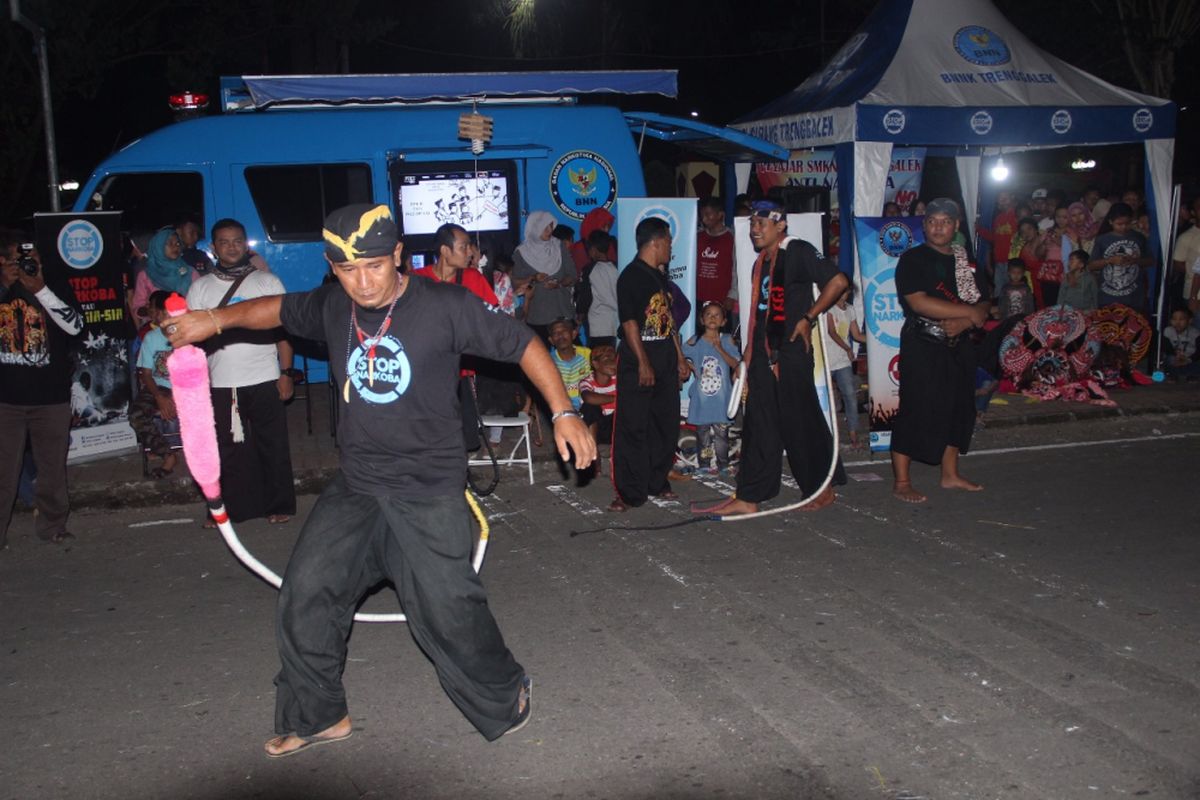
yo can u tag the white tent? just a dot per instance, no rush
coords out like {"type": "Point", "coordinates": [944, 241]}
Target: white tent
{"type": "Point", "coordinates": [956, 74]}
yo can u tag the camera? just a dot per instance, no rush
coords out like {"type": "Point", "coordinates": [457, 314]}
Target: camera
{"type": "Point", "coordinates": [25, 259]}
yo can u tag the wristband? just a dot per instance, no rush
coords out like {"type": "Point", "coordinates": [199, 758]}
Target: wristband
{"type": "Point", "coordinates": [570, 412]}
{"type": "Point", "coordinates": [213, 317]}
{"type": "Point", "coordinates": [812, 323]}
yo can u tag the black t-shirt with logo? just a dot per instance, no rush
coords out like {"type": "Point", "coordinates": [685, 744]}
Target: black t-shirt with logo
{"type": "Point", "coordinates": [644, 297]}
{"type": "Point", "coordinates": [35, 361]}
{"type": "Point", "coordinates": [402, 433]}
{"type": "Point", "coordinates": [785, 292]}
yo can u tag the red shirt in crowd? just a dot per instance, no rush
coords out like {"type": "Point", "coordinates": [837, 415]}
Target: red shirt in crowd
{"type": "Point", "coordinates": [714, 266]}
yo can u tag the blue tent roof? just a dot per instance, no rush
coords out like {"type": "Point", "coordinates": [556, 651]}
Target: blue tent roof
{"type": "Point", "coordinates": [954, 72]}
{"type": "Point", "coordinates": [268, 90]}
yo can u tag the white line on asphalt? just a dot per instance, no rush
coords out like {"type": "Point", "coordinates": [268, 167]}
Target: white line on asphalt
{"type": "Point", "coordinates": [1059, 446]}
{"type": "Point", "coordinates": [151, 523]}
{"type": "Point", "coordinates": [573, 500]}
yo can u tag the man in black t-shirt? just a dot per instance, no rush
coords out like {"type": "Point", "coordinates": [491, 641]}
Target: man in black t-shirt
{"type": "Point", "coordinates": [650, 367]}
{"type": "Point", "coordinates": [36, 323]}
{"type": "Point", "coordinates": [396, 510]}
{"type": "Point", "coordinates": [783, 412]}
{"type": "Point", "coordinates": [942, 301]}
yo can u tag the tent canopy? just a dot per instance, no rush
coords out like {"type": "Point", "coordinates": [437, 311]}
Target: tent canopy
{"type": "Point", "coordinates": [953, 72]}
{"type": "Point", "coordinates": [956, 73]}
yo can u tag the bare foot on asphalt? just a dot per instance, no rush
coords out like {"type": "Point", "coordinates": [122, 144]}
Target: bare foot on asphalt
{"type": "Point", "coordinates": [904, 491]}
{"type": "Point", "coordinates": [822, 500]}
{"type": "Point", "coordinates": [961, 483]}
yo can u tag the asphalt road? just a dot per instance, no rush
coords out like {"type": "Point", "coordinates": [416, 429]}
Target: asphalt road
{"type": "Point", "coordinates": [1038, 640]}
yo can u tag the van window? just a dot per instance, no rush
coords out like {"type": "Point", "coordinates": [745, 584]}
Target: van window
{"type": "Point", "coordinates": [293, 201]}
{"type": "Point", "coordinates": [151, 200]}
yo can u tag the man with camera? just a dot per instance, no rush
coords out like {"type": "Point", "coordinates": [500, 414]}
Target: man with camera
{"type": "Point", "coordinates": [36, 323]}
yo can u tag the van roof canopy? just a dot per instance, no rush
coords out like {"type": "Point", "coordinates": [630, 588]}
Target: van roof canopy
{"type": "Point", "coordinates": [248, 92]}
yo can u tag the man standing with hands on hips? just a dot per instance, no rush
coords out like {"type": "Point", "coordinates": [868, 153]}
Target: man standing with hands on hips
{"type": "Point", "coordinates": [396, 510]}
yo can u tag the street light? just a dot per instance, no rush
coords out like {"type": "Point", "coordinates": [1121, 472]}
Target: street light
{"type": "Point", "coordinates": [39, 41]}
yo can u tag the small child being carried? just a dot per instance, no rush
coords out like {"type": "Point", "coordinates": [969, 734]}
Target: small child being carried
{"type": "Point", "coordinates": [711, 356]}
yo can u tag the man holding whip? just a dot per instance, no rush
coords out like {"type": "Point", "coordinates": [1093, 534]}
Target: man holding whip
{"type": "Point", "coordinates": [396, 510]}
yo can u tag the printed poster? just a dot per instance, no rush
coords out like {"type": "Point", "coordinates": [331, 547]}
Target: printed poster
{"type": "Point", "coordinates": [818, 168]}
{"type": "Point", "coordinates": [881, 241]}
{"type": "Point", "coordinates": [84, 249]}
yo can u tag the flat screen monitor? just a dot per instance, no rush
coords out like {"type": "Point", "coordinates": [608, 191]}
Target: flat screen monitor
{"type": "Point", "coordinates": [478, 196]}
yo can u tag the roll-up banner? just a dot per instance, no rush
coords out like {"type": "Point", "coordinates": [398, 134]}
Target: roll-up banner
{"type": "Point", "coordinates": [881, 241]}
{"type": "Point", "coordinates": [84, 249]}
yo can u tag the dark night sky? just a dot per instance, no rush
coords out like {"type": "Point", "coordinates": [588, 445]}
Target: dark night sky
{"type": "Point", "coordinates": [731, 58]}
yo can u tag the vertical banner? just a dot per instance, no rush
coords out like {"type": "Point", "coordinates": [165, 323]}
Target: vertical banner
{"type": "Point", "coordinates": [683, 217]}
{"type": "Point", "coordinates": [881, 241]}
{"type": "Point", "coordinates": [801, 226]}
{"type": "Point", "coordinates": [84, 249]}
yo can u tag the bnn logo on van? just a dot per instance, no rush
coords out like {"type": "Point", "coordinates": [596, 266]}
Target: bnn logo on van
{"type": "Point", "coordinates": [581, 181]}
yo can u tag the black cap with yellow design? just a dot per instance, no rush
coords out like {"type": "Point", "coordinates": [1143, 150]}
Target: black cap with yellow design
{"type": "Point", "coordinates": [359, 231]}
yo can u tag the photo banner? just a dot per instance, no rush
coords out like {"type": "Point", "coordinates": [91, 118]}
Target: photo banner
{"type": "Point", "coordinates": [806, 226]}
{"type": "Point", "coordinates": [682, 215]}
{"type": "Point", "coordinates": [84, 251]}
{"type": "Point", "coordinates": [881, 241]}
{"type": "Point", "coordinates": [817, 168]}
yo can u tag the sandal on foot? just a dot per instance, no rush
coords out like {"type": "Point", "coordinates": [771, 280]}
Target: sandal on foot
{"type": "Point", "coordinates": [524, 704]}
{"type": "Point", "coordinates": [278, 519]}
{"type": "Point", "coordinates": [617, 506]}
{"type": "Point", "coordinates": [305, 743]}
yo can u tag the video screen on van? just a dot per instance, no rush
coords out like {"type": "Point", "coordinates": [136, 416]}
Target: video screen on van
{"type": "Point", "coordinates": [475, 199]}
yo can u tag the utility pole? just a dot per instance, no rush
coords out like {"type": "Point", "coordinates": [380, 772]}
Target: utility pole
{"type": "Point", "coordinates": [39, 40]}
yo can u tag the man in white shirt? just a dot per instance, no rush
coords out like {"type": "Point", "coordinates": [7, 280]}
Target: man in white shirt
{"type": "Point", "coordinates": [250, 382]}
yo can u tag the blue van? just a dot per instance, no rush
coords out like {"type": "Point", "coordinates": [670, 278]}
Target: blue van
{"type": "Point", "coordinates": [288, 149]}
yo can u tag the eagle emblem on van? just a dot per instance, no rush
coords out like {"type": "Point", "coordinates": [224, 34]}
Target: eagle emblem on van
{"type": "Point", "coordinates": [581, 181]}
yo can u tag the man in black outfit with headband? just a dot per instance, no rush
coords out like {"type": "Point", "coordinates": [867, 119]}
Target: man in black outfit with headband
{"type": "Point", "coordinates": [782, 409]}
{"type": "Point", "coordinates": [396, 510]}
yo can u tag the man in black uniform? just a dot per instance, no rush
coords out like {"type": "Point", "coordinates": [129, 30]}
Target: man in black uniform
{"type": "Point", "coordinates": [396, 509]}
{"type": "Point", "coordinates": [782, 409]}
{"type": "Point", "coordinates": [942, 302]}
{"type": "Point", "coordinates": [650, 367]}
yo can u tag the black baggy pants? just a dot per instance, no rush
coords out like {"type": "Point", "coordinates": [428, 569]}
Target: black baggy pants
{"type": "Point", "coordinates": [256, 474]}
{"type": "Point", "coordinates": [351, 542]}
{"type": "Point", "coordinates": [783, 415]}
{"type": "Point", "coordinates": [646, 430]}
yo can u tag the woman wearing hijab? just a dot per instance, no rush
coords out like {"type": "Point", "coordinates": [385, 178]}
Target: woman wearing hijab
{"type": "Point", "coordinates": [165, 269]}
{"type": "Point", "coordinates": [1081, 227]}
{"type": "Point", "coordinates": [544, 263]}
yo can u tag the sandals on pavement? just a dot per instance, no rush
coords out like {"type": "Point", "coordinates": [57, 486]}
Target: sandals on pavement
{"type": "Point", "coordinates": [305, 742]}
{"type": "Point", "coordinates": [524, 706]}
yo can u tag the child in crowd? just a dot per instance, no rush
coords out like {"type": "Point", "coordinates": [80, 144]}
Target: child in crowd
{"type": "Point", "coordinates": [154, 393]}
{"type": "Point", "coordinates": [1016, 297]}
{"type": "Point", "coordinates": [601, 276]}
{"type": "Point", "coordinates": [502, 285]}
{"type": "Point", "coordinates": [572, 360]}
{"type": "Point", "coordinates": [711, 355]}
{"type": "Point", "coordinates": [985, 387]}
{"type": "Point", "coordinates": [1078, 289]}
{"type": "Point", "coordinates": [1181, 356]}
{"type": "Point", "coordinates": [843, 330]}
{"type": "Point", "coordinates": [598, 392]}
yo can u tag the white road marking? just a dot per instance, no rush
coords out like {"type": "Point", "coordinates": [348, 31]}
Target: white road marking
{"type": "Point", "coordinates": [573, 500]}
{"type": "Point", "coordinates": [151, 523]}
{"type": "Point", "coordinates": [996, 451]}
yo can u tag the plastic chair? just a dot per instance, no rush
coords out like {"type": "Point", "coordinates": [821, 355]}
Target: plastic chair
{"type": "Point", "coordinates": [522, 421]}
